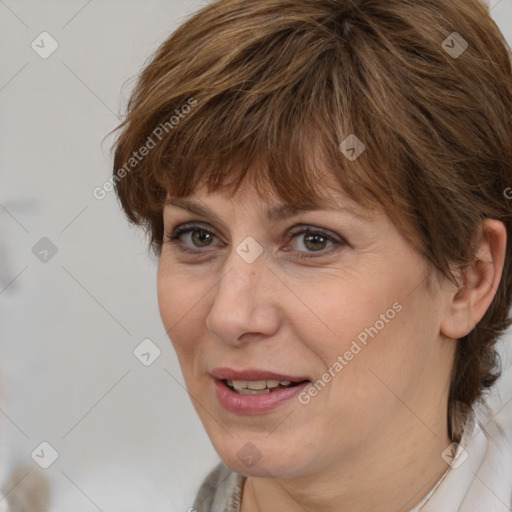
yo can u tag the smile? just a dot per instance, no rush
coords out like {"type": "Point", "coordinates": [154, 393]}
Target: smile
{"type": "Point", "coordinates": [258, 387]}
{"type": "Point", "coordinates": [255, 391]}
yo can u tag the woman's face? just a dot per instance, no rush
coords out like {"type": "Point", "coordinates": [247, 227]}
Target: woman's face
{"type": "Point", "coordinates": [319, 296]}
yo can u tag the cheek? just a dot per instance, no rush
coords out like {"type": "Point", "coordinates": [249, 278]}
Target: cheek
{"type": "Point", "coordinates": [180, 305]}
{"type": "Point", "coordinates": [371, 324]}
{"type": "Point", "coordinates": [388, 348]}
{"type": "Point", "coordinates": [337, 312]}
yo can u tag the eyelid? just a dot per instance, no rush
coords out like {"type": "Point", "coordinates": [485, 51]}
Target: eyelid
{"type": "Point", "coordinates": [307, 228]}
{"type": "Point", "coordinates": [176, 232]}
{"type": "Point", "coordinates": [301, 229]}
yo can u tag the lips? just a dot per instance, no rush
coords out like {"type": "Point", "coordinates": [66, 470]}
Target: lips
{"type": "Point", "coordinates": [257, 386]}
{"type": "Point", "coordinates": [235, 389]}
{"type": "Point", "coordinates": [253, 375]}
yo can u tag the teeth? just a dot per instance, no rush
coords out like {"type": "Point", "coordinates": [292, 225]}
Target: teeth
{"type": "Point", "coordinates": [256, 385]}
{"type": "Point", "coordinates": [252, 391]}
{"type": "Point", "coordinates": [239, 384]}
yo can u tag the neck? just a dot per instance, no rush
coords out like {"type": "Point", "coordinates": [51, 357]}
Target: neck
{"type": "Point", "coordinates": [408, 465]}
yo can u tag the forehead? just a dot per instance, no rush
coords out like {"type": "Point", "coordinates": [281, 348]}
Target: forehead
{"type": "Point", "coordinates": [330, 197]}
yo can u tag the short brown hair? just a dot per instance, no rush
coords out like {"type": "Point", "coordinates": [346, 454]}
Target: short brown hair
{"type": "Point", "coordinates": [267, 84]}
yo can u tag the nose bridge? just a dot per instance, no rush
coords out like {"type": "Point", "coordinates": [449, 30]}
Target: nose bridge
{"type": "Point", "coordinates": [246, 266]}
{"type": "Point", "coordinates": [240, 303]}
{"type": "Point", "coordinates": [239, 281]}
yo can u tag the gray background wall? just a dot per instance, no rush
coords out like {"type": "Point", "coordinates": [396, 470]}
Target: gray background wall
{"type": "Point", "coordinates": [127, 436]}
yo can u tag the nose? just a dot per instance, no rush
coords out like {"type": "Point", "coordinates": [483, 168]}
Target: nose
{"type": "Point", "coordinates": [245, 304]}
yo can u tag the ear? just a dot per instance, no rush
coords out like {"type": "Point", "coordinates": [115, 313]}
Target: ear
{"type": "Point", "coordinates": [479, 282]}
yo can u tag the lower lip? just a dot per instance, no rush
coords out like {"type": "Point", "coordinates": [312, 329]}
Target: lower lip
{"type": "Point", "coordinates": [254, 404]}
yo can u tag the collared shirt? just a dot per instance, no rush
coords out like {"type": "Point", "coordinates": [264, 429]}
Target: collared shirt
{"type": "Point", "coordinates": [478, 478]}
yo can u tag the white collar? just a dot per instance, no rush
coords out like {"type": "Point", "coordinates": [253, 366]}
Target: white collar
{"type": "Point", "coordinates": [479, 478]}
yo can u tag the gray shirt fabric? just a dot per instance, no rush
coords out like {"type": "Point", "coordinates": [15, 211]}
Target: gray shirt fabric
{"type": "Point", "coordinates": [221, 491]}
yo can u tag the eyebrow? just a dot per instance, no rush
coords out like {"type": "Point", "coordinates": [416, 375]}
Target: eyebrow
{"type": "Point", "coordinates": [274, 213]}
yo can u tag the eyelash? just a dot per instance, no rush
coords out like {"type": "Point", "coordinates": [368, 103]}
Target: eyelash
{"type": "Point", "coordinates": [177, 233]}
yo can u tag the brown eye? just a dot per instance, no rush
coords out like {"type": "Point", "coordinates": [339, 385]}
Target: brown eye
{"type": "Point", "coordinates": [309, 241]}
{"type": "Point", "coordinates": [190, 237]}
{"type": "Point", "coordinates": [315, 242]}
{"type": "Point", "coordinates": [200, 237]}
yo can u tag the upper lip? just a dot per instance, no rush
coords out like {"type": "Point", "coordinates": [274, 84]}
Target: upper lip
{"type": "Point", "coordinates": [252, 374]}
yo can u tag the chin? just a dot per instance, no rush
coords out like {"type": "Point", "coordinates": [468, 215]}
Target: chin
{"type": "Point", "coordinates": [261, 469]}
{"type": "Point", "coordinates": [258, 459]}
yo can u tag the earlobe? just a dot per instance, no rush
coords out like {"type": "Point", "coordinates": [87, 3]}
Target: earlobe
{"type": "Point", "coordinates": [479, 282]}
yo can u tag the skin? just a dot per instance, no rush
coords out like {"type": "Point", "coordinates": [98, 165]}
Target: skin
{"type": "Point", "coordinates": [373, 438]}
